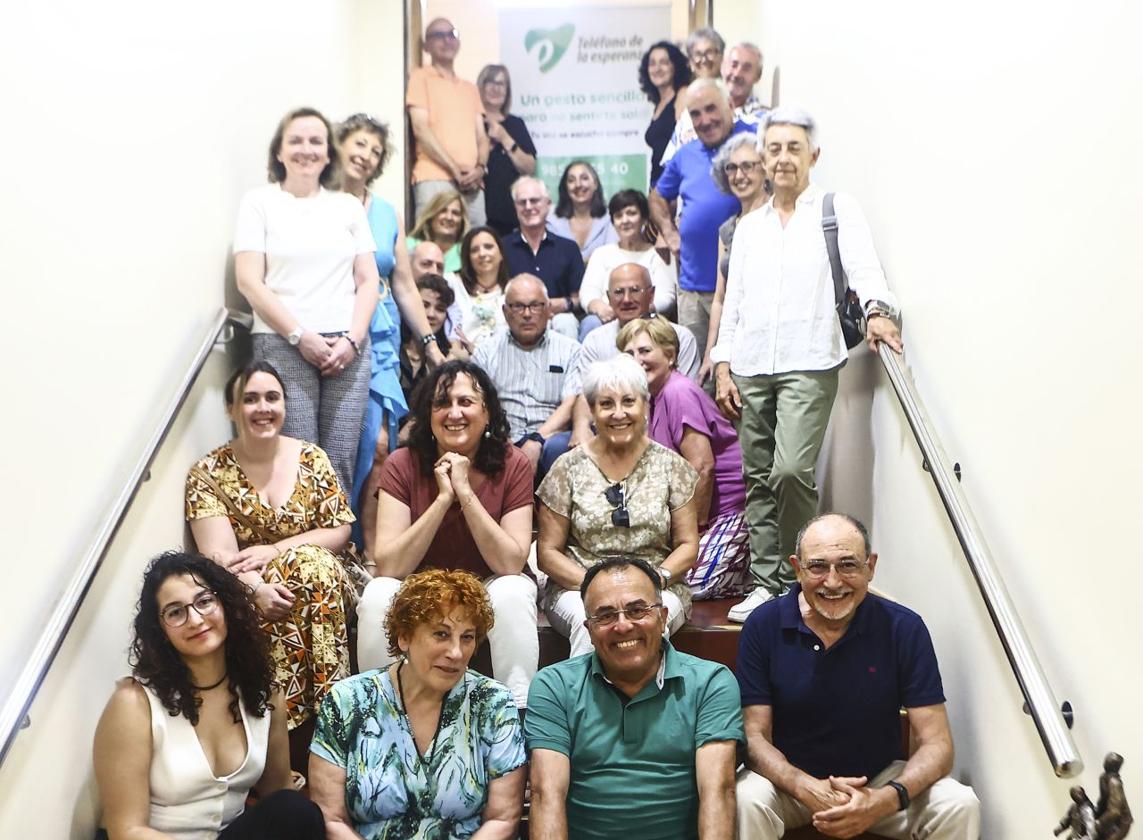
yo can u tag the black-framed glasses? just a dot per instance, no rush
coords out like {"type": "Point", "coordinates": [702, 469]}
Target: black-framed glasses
{"type": "Point", "coordinates": [615, 496]}
{"type": "Point", "coordinates": [445, 34]}
{"type": "Point", "coordinates": [819, 569]}
{"type": "Point", "coordinates": [634, 612]}
{"type": "Point", "coordinates": [175, 615]}
{"type": "Point", "coordinates": [536, 306]}
{"type": "Point", "coordinates": [746, 167]}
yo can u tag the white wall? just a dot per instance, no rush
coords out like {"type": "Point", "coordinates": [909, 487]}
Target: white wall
{"type": "Point", "coordinates": [994, 148]}
{"type": "Point", "coordinates": [131, 130]}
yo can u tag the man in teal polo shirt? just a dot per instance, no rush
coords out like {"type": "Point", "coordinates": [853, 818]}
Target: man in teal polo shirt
{"type": "Point", "coordinates": [633, 740]}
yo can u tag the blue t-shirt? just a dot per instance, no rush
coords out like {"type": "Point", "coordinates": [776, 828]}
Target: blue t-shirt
{"type": "Point", "coordinates": [705, 208]}
{"type": "Point", "coordinates": [391, 792]}
{"type": "Point", "coordinates": [837, 711]}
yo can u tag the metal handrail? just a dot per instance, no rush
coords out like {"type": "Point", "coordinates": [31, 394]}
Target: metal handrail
{"type": "Point", "coordinates": [1038, 696]}
{"type": "Point", "coordinates": [24, 689]}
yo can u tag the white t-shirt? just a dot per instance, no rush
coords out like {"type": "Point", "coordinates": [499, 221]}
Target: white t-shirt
{"type": "Point", "coordinates": [479, 316]}
{"type": "Point", "coordinates": [606, 258]}
{"type": "Point", "coordinates": [310, 244]}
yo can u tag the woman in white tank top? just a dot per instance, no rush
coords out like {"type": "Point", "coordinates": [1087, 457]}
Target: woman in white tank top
{"type": "Point", "coordinates": [181, 744]}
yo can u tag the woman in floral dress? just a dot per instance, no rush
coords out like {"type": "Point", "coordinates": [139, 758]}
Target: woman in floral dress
{"type": "Point", "coordinates": [270, 509]}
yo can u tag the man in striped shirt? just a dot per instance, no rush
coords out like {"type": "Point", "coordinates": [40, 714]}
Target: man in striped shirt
{"type": "Point", "coordinates": [535, 373]}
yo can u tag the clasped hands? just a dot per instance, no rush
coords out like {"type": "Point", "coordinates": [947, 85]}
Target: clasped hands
{"type": "Point", "coordinates": [329, 354]}
{"type": "Point", "coordinates": [843, 806]}
{"type": "Point", "coordinates": [273, 600]}
{"type": "Point", "coordinates": [451, 473]}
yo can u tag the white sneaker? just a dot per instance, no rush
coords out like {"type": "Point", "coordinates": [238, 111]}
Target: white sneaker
{"type": "Point", "coordinates": [741, 611]}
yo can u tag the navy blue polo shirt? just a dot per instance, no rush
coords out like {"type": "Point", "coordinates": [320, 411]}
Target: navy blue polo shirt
{"type": "Point", "coordinates": [837, 711]}
{"type": "Point", "coordinates": [558, 262]}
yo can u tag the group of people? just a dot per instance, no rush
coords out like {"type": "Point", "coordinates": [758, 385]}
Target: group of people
{"type": "Point", "coordinates": [604, 411]}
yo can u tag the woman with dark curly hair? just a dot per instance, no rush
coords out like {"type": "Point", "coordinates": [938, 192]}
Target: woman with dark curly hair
{"type": "Point", "coordinates": [581, 211]}
{"type": "Point", "coordinates": [182, 742]}
{"type": "Point", "coordinates": [664, 74]}
{"type": "Point", "coordinates": [424, 748]}
{"type": "Point", "coordinates": [458, 497]}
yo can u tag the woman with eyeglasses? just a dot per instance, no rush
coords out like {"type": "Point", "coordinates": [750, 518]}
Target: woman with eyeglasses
{"type": "Point", "coordinates": [512, 152]}
{"type": "Point", "coordinates": [424, 748]}
{"type": "Point", "coordinates": [619, 494]}
{"type": "Point", "coordinates": [737, 170]}
{"type": "Point", "coordinates": [270, 509]}
{"type": "Point", "coordinates": [459, 496]}
{"type": "Point", "coordinates": [200, 723]}
{"type": "Point", "coordinates": [705, 48]}
{"type": "Point", "coordinates": [363, 147]}
{"type": "Point", "coordinates": [686, 420]}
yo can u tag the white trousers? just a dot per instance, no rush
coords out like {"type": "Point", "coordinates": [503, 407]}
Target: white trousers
{"type": "Point", "coordinates": [512, 641]}
{"type": "Point", "coordinates": [946, 811]}
{"type": "Point", "coordinates": [567, 615]}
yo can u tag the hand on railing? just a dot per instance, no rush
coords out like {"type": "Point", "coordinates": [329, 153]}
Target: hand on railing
{"type": "Point", "coordinates": [881, 328]}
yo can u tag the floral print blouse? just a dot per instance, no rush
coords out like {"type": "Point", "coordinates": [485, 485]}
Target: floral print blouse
{"type": "Point", "coordinates": [391, 791]}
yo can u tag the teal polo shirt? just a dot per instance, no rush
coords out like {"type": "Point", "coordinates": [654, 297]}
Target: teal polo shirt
{"type": "Point", "coordinates": [633, 764]}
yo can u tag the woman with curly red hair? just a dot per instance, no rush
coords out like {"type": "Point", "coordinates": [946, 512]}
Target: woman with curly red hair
{"type": "Point", "coordinates": [424, 747]}
{"type": "Point", "coordinates": [183, 741]}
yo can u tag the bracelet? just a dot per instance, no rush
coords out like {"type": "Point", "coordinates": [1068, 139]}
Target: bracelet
{"type": "Point", "coordinates": [250, 590]}
{"type": "Point", "coordinates": [352, 343]}
{"type": "Point", "coordinates": [427, 339]}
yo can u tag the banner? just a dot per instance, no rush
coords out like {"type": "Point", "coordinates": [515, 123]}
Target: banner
{"type": "Point", "coordinates": [575, 83]}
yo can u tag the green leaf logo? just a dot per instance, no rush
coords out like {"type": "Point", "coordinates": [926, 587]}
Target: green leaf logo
{"type": "Point", "coordinates": [549, 45]}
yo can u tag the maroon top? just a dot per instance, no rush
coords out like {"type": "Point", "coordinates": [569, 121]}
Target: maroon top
{"type": "Point", "coordinates": [453, 546]}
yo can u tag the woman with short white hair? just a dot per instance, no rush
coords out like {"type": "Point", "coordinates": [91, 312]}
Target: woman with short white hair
{"type": "Point", "coordinates": [619, 494]}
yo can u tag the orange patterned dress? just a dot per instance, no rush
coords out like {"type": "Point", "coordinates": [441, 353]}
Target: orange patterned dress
{"type": "Point", "coordinates": [310, 646]}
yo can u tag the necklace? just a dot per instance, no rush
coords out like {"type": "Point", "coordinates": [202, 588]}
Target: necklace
{"type": "Point", "coordinates": [484, 290]}
{"type": "Point", "coordinates": [209, 687]}
{"type": "Point", "coordinates": [427, 761]}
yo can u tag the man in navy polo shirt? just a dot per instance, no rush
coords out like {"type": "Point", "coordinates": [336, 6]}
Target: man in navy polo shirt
{"type": "Point", "coordinates": [824, 671]}
{"type": "Point", "coordinates": [704, 206]}
{"type": "Point", "coordinates": [533, 249]}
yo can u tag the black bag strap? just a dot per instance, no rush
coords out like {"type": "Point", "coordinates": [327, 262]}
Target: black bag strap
{"type": "Point", "coordinates": [829, 228]}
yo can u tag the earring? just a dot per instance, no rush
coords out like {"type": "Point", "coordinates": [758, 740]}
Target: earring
{"type": "Point", "coordinates": [488, 433]}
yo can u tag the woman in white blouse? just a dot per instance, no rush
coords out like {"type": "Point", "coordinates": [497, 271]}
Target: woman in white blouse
{"type": "Point", "coordinates": [629, 212]}
{"type": "Point", "coordinates": [303, 258]}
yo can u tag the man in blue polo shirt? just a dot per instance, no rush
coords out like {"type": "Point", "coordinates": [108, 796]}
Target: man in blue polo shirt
{"type": "Point", "coordinates": [704, 206]}
{"type": "Point", "coordinates": [533, 249]}
{"type": "Point", "coordinates": [824, 672]}
{"type": "Point", "coordinates": [635, 739]}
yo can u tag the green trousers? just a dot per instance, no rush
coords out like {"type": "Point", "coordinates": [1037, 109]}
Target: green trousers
{"type": "Point", "coordinates": [784, 419]}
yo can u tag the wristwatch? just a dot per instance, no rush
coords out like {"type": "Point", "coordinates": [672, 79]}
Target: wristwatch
{"type": "Point", "coordinates": [878, 307]}
{"type": "Point", "coordinates": [295, 336]}
{"type": "Point", "coordinates": [666, 575]}
{"type": "Point", "coordinates": [902, 794]}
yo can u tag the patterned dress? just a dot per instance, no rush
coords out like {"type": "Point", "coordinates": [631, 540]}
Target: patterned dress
{"type": "Point", "coordinates": [310, 646]}
{"type": "Point", "coordinates": [391, 791]}
{"type": "Point", "coordinates": [660, 483]}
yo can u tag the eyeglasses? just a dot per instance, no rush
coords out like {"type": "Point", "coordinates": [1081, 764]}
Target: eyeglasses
{"type": "Point", "coordinates": [634, 612]}
{"type": "Point", "coordinates": [525, 202]}
{"type": "Point", "coordinates": [625, 291]}
{"type": "Point", "coordinates": [615, 496]}
{"type": "Point", "coordinates": [536, 306]}
{"type": "Point", "coordinates": [442, 34]}
{"type": "Point", "coordinates": [705, 55]}
{"type": "Point", "coordinates": [175, 615]}
{"type": "Point", "coordinates": [496, 83]}
{"type": "Point", "coordinates": [820, 569]}
{"type": "Point", "coordinates": [746, 167]}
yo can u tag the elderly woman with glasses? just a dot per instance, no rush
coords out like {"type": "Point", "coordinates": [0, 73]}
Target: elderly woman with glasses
{"type": "Point", "coordinates": [619, 494]}
{"type": "Point", "coordinates": [737, 170]}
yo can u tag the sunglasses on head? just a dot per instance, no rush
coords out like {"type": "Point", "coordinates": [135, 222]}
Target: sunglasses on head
{"type": "Point", "coordinates": [615, 496]}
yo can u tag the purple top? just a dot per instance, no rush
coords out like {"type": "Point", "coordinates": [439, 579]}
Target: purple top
{"type": "Point", "coordinates": [682, 403]}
